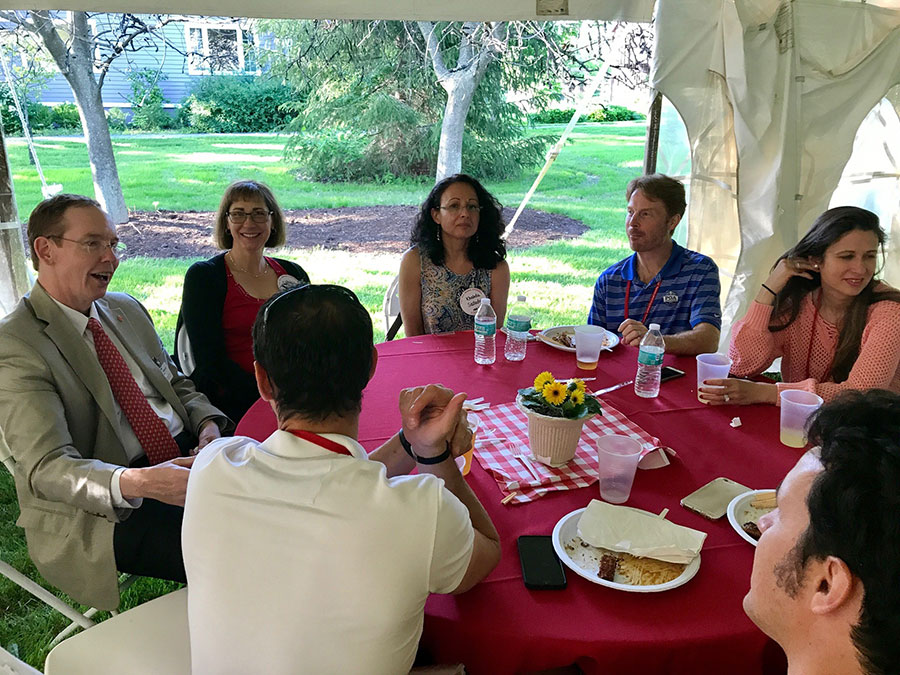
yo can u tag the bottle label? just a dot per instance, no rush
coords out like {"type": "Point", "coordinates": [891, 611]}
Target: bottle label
{"type": "Point", "coordinates": [648, 358]}
{"type": "Point", "coordinates": [519, 324]}
{"type": "Point", "coordinates": [488, 328]}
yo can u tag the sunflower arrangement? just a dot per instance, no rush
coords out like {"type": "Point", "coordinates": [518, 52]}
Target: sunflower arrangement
{"type": "Point", "coordinates": [553, 398]}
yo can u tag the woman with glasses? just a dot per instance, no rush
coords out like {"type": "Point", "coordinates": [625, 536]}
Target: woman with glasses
{"type": "Point", "coordinates": [822, 310]}
{"type": "Point", "coordinates": [457, 257]}
{"type": "Point", "coordinates": [222, 295]}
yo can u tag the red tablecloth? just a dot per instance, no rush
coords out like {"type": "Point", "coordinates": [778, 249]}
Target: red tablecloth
{"type": "Point", "coordinates": [502, 627]}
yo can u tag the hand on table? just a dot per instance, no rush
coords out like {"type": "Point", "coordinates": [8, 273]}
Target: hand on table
{"type": "Point", "coordinates": [431, 417]}
{"type": "Point", "coordinates": [732, 391]}
{"type": "Point", "coordinates": [632, 332]}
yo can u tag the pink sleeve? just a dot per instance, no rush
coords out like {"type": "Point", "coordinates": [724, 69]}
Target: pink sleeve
{"type": "Point", "coordinates": [753, 346]}
{"type": "Point", "coordinates": [879, 356]}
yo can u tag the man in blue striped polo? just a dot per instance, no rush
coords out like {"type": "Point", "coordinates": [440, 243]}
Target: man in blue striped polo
{"type": "Point", "coordinates": [662, 282]}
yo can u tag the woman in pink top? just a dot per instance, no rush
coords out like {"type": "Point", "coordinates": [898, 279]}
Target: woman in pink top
{"type": "Point", "coordinates": [834, 325]}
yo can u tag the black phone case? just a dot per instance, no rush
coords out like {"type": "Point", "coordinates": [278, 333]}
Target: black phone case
{"type": "Point", "coordinates": [541, 568]}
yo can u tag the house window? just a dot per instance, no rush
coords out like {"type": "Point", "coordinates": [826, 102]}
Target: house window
{"type": "Point", "coordinates": [220, 49]}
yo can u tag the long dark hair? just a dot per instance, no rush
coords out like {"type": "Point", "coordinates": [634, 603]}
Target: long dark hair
{"type": "Point", "coordinates": [485, 248]}
{"type": "Point", "coordinates": [827, 229]}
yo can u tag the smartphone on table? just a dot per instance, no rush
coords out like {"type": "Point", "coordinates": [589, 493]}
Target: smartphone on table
{"type": "Point", "coordinates": [541, 568]}
{"type": "Point", "coordinates": [669, 373]}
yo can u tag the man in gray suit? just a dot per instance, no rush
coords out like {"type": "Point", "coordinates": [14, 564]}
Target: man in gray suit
{"type": "Point", "coordinates": [83, 377]}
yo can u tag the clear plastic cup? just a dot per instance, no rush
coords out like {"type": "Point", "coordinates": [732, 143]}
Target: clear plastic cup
{"type": "Point", "coordinates": [711, 367]}
{"type": "Point", "coordinates": [796, 407]}
{"type": "Point", "coordinates": [617, 460]}
{"type": "Point", "coordinates": [588, 344]}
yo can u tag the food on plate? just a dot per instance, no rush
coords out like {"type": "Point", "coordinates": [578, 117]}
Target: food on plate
{"type": "Point", "coordinates": [564, 338]}
{"type": "Point", "coordinates": [647, 571]}
{"type": "Point", "coordinates": [608, 565]}
{"type": "Point", "coordinates": [621, 568]}
{"type": "Point", "coordinates": [752, 529]}
{"type": "Point", "coordinates": [764, 500]}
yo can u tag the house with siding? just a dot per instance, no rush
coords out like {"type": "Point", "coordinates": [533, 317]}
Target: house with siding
{"type": "Point", "coordinates": [181, 52]}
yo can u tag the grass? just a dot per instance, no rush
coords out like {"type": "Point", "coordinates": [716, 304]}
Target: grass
{"type": "Point", "coordinates": [586, 182]}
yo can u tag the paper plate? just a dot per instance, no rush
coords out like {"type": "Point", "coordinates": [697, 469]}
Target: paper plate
{"type": "Point", "coordinates": [567, 528]}
{"type": "Point", "coordinates": [546, 336]}
{"type": "Point", "coordinates": [740, 512]}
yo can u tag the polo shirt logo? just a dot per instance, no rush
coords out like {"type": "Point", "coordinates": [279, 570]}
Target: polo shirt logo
{"type": "Point", "coordinates": [670, 298]}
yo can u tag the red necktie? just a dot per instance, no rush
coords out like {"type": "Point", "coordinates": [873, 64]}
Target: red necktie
{"type": "Point", "coordinates": [150, 430]}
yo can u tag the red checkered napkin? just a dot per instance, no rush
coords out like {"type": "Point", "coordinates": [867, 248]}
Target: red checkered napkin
{"type": "Point", "coordinates": [503, 434]}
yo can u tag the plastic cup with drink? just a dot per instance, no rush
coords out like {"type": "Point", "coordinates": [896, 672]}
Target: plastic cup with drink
{"type": "Point", "coordinates": [588, 344]}
{"type": "Point", "coordinates": [796, 407]}
{"type": "Point", "coordinates": [464, 461]}
{"type": "Point", "coordinates": [711, 367]}
{"type": "Point", "coordinates": [617, 460]}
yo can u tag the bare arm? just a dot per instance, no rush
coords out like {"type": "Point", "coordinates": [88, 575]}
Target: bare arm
{"type": "Point", "coordinates": [411, 293]}
{"type": "Point", "coordinates": [427, 429]}
{"type": "Point", "coordinates": [500, 290]}
{"type": "Point", "coordinates": [166, 482]}
{"type": "Point", "coordinates": [701, 339]}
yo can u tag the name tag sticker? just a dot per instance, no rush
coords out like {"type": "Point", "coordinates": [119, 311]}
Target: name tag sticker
{"type": "Point", "coordinates": [670, 298]}
{"type": "Point", "coordinates": [470, 300]}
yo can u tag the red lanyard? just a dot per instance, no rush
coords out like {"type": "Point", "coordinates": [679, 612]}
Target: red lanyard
{"type": "Point", "coordinates": [649, 304]}
{"type": "Point", "coordinates": [321, 441]}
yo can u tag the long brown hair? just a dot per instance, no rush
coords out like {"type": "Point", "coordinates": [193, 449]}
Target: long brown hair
{"type": "Point", "coordinates": [827, 229]}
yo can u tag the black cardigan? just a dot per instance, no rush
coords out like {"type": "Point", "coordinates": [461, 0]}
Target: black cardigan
{"type": "Point", "coordinates": [228, 386]}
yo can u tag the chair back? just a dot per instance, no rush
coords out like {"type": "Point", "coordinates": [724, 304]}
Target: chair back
{"type": "Point", "coordinates": [392, 318]}
{"type": "Point", "coordinates": [185, 355]}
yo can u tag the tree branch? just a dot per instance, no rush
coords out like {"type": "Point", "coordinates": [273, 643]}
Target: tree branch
{"type": "Point", "coordinates": [433, 49]}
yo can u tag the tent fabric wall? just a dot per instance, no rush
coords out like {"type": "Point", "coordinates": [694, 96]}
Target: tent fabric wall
{"type": "Point", "coordinates": [798, 77]}
{"type": "Point", "coordinates": [408, 10]}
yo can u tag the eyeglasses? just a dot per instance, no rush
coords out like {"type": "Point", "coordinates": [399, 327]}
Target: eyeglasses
{"type": "Point", "coordinates": [454, 208]}
{"type": "Point", "coordinates": [95, 247]}
{"type": "Point", "coordinates": [257, 216]}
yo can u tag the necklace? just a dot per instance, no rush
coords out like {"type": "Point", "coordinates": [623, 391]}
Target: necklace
{"type": "Point", "coordinates": [244, 271]}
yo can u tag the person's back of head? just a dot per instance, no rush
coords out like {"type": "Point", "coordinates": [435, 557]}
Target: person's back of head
{"type": "Point", "coordinates": [854, 513]}
{"type": "Point", "coordinates": [314, 343]}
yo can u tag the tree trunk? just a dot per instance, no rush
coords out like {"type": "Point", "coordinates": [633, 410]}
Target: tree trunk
{"type": "Point", "coordinates": [14, 280]}
{"type": "Point", "coordinates": [107, 188]}
{"type": "Point", "coordinates": [459, 98]}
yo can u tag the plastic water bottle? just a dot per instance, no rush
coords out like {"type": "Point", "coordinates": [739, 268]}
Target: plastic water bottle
{"type": "Point", "coordinates": [518, 323]}
{"type": "Point", "coordinates": [650, 358]}
{"type": "Point", "coordinates": [485, 332]}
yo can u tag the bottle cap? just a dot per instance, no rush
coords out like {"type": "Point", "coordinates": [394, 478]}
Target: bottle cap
{"type": "Point", "coordinates": [654, 326]}
{"type": "Point", "coordinates": [487, 301]}
{"type": "Point", "coordinates": [521, 298]}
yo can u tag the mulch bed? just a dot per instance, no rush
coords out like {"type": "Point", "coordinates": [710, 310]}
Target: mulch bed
{"type": "Point", "coordinates": [366, 229]}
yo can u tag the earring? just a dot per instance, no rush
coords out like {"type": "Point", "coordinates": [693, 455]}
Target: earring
{"type": "Point", "coordinates": [439, 233]}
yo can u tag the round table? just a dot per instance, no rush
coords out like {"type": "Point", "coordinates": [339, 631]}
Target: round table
{"type": "Point", "coordinates": [502, 627]}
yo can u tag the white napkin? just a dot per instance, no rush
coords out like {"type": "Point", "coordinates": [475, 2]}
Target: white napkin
{"type": "Point", "coordinates": [627, 530]}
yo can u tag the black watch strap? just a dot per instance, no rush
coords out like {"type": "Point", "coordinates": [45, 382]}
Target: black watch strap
{"type": "Point", "coordinates": [423, 460]}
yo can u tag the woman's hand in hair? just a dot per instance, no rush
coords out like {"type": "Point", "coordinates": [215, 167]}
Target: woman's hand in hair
{"type": "Point", "coordinates": [786, 268]}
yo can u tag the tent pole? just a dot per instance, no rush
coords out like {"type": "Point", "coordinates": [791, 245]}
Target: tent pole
{"type": "Point", "coordinates": [14, 281]}
{"type": "Point", "coordinates": [651, 147]}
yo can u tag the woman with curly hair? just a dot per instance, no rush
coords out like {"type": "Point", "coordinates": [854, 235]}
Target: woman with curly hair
{"type": "Point", "coordinates": [222, 295]}
{"type": "Point", "coordinates": [824, 312]}
{"type": "Point", "coordinates": [457, 257]}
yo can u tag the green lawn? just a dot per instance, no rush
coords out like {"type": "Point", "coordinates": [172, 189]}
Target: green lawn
{"type": "Point", "coordinates": [586, 182]}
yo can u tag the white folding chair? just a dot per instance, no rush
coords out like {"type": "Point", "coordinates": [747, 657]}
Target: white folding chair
{"type": "Point", "coordinates": [10, 665]}
{"type": "Point", "coordinates": [184, 351]}
{"type": "Point", "coordinates": [148, 640]}
{"type": "Point", "coordinates": [77, 618]}
{"type": "Point", "coordinates": [392, 318]}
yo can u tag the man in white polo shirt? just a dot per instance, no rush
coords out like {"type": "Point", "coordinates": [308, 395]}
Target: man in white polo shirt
{"type": "Point", "coordinates": [302, 553]}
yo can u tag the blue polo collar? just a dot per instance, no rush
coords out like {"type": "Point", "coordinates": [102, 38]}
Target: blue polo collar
{"type": "Point", "coordinates": [670, 269]}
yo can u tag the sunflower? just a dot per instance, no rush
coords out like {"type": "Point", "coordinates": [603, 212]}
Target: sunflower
{"type": "Point", "coordinates": [543, 379]}
{"type": "Point", "coordinates": [577, 385]}
{"type": "Point", "coordinates": [578, 396]}
{"type": "Point", "coordinates": [554, 392]}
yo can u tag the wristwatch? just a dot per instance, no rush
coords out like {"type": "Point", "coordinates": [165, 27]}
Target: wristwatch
{"type": "Point", "coordinates": [423, 460]}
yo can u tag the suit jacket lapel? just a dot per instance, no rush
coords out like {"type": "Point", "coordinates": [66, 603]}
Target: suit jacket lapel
{"type": "Point", "coordinates": [61, 332]}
